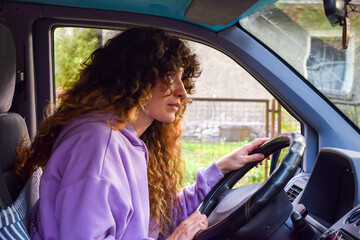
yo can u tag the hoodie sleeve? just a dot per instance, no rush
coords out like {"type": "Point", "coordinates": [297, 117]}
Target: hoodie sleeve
{"type": "Point", "coordinates": [191, 197]}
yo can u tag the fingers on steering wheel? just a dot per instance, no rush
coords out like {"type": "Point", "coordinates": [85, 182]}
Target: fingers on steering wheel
{"type": "Point", "coordinates": [260, 163]}
{"type": "Point", "coordinates": [257, 143]}
{"type": "Point", "coordinates": [198, 222]}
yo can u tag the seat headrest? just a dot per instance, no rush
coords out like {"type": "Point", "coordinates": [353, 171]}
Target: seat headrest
{"type": "Point", "coordinates": [7, 68]}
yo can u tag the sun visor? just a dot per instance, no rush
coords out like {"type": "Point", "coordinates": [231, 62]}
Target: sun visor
{"type": "Point", "coordinates": [217, 12]}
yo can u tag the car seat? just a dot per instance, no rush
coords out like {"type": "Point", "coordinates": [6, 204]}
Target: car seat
{"type": "Point", "coordinates": [12, 131]}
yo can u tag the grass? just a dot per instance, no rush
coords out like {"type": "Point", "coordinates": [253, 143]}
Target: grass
{"type": "Point", "coordinates": [202, 154]}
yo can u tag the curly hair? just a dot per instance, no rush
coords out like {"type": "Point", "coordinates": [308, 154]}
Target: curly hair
{"type": "Point", "coordinates": [118, 78]}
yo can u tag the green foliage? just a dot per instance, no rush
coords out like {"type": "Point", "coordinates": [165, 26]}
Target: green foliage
{"type": "Point", "coordinates": [352, 111]}
{"type": "Point", "coordinates": [312, 17]}
{"type": "Point", "coordinates": [202, 154]}
{"type": "Point", "coordinates": [288, 122]}
{"type": "Point", "coordinates": [255, 175]}
{"type": "Point", "coordinates": [309, 16]}
{"type": "Point", "coordinates": [72, 47]}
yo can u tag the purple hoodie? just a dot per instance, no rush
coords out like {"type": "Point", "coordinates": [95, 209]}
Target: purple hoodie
{"type": "Point", "coordinates": [95, 186]}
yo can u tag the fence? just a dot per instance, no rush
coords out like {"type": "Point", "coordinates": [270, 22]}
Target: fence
{"type": "Point", "coordinates": [214, 127]}
{"type": "Point", "coordinates": [220, 119]}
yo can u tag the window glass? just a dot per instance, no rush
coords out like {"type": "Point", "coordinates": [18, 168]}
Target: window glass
{"type": "Point", "coordinates": [299, 32]}
{"type": "Point", "coordinates": [72, 46]}
{"type": "Point", "coordinates": [229, 109]}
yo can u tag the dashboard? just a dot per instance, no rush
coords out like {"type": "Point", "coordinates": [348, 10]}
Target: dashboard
{"type": "Point", "coordinates": [330, 194]}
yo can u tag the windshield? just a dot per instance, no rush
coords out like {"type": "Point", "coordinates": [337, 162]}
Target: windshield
{"type": "Point", "coordinates": [299, 32]}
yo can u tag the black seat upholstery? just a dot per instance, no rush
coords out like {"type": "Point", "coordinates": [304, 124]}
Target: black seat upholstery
{"type": "Point", "coordinates": [12, 126]}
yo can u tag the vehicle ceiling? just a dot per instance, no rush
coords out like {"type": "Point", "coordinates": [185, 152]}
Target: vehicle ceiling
{"type": "Point", "coordinates": [214, 15]}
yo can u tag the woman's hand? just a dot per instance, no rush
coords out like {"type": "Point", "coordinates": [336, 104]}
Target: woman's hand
{"type": "Point", "coordinates": [239, 157]}
{"type": "Point", "coordinates": [189, 227]}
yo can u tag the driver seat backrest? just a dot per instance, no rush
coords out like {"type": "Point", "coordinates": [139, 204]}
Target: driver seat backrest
{"type": "Point", "coordinates": [13, 128]}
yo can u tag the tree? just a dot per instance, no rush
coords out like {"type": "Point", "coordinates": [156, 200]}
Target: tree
{"type": "Point", "coordinates": [73, 47]}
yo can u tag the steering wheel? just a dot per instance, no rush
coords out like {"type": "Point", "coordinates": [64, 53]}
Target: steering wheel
{"type": "Point", "coordinates": [276, 182]}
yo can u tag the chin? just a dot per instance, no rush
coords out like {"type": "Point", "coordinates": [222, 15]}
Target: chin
{"type": "Point", "coordinates": [169, 119]}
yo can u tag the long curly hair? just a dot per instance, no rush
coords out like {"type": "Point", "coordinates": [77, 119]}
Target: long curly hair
{"type": "Point", "coordinates": [118, 78]}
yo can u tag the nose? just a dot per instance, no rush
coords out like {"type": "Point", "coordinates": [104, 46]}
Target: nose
{"type": "Point", "coordinates": [179, 89]}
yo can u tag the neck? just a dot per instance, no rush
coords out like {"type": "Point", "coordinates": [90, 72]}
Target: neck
{"type": "Point", "coordinates": [141, 123]}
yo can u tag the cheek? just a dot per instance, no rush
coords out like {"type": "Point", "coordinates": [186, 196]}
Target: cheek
{"type": "Point", "coordinates": [160, 97]}
{"type": "Point", "coordinates": [161, 90]}
{"type": "Point", "coordinates": [154, 104]}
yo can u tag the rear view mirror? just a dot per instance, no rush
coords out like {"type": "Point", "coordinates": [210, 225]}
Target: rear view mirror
{"type": "Point", "coordinates": [335, 11]}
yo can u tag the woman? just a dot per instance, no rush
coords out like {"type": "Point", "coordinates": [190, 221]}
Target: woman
{"type": "Point", "coordinates": [111, 153]}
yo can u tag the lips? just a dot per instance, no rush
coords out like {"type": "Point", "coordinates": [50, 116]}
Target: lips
{"type": "Point", "coordinates": [175, 105]}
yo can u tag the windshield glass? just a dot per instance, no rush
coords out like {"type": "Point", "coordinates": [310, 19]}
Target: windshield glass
{"type": "Point", "coordinates": [299, 32]}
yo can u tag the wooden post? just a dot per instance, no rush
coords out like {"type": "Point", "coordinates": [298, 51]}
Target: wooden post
{"type": "Point", "coordinates": [274, 110]}
{"type": "Point", "coordinates": [267, 118]}
{"type": "Point", "coordinates": [279, 117]}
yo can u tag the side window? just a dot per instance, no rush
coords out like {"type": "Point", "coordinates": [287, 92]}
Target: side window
{"type": "Point", "coordinates": [229, 109]}
{"type": "Point", "coordinates": [72, 46]}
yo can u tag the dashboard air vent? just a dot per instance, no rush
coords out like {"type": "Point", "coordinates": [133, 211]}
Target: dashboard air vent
{"type": "Point", "coordinates": [293, 192]}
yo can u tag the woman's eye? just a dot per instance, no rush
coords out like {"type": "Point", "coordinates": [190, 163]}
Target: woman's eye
{"type": "Point", "coordinates": [170, 77]}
